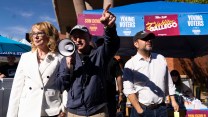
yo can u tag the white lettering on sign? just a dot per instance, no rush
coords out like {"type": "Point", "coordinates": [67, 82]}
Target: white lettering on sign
{"type": "Point", "coordinates": [127, 33]}
{"type": "Point", "coordinates": [195, 20]}
{"type": "Point", "coordinates": [127, 22]}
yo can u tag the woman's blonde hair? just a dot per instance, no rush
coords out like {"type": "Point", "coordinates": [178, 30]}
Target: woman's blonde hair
{"type": "Point", "coordinates": [50, 31]}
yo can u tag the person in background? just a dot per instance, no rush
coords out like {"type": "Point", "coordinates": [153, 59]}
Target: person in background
{"type": "Point", "coordinates": [184, 94]}
{"type": "Point", "coordinates": [146, 80]}
{"type": "Point", "coordinates": [84, 73]}
{"type": "Point", "coordinates": [8, 70]}
{"type": "Point", "coordinates": [34, 91]}
{"type": "Point", "coordinates": [122, 100]}
{"type": "Point", "coordinates": [181, 88]}
{"type": "Point", "coordinates": [114, 79]}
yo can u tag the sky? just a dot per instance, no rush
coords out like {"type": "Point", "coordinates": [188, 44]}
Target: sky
{"type": "Point", "coordinates": [17, 16]}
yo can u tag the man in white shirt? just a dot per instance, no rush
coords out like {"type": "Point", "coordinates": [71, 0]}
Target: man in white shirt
{"type": "Point", "coordinates": [147, 81]}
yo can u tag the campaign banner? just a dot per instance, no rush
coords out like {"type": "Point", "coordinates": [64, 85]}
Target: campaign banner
{"type": "Point", "coordinates": [197, 113]}
{"type": "Point", "coordinates": [193, 24]}
{"type": "Point", "coordinates": [92, 22]}
{"type": "Point", "coordinates": [129, 25]}
{"type": "Point", "coordinates": [162, 25]}
{"type": "Point", "coordinates": [11, 53]}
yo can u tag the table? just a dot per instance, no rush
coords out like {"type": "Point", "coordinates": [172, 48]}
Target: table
{"type": "Point", "coordinates": [197, 113]}
{"type": "Point", "coordinates": [183, 113]}
{"type": "Point", "coordinates": [190, 113]}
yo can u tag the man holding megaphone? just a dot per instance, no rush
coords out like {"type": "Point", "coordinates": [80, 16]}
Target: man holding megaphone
{"type": "Point", "coordinates": [83, 74]}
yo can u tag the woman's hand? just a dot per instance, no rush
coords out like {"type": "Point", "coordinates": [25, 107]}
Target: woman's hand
{"type": "Point", "coordinates": [62, 114]}
{"type": "Point", "coordinates": [2, 75]}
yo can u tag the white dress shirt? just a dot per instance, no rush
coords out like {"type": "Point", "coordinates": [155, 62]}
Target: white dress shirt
{"type": "Point", "coordinates": [150, 80]}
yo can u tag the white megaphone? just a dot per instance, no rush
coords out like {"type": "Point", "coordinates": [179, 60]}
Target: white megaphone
{"type": "Point", "coordinates": [66, 47]}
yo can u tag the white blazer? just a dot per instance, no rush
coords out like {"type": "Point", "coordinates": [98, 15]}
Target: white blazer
{"type": "Point", "coordinates": [34, 87]}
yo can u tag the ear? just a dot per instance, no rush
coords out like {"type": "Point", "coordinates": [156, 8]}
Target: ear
{"type": "Point", "coordinates": [136, 44]}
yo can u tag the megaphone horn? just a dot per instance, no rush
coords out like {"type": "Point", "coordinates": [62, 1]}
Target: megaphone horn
{"type": "Point", "coordinates": [66, 47]}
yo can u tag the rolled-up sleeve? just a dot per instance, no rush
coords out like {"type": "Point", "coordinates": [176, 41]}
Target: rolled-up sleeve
{"type": "Point", "coordinates": [128, 82]}
{"type": "Point", "coordinates": [171, 86]}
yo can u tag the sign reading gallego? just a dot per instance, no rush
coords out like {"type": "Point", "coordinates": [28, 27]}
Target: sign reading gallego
{"type": "Point", "coordinates": [162, 25]}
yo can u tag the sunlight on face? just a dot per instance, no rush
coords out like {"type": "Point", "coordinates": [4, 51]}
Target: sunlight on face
{"type": "Point", "coordinates": [143, 45]}
{"type": "Point", "coordinates": [39, 38]}
{"type": "Point", "coordinates": [81, 39]}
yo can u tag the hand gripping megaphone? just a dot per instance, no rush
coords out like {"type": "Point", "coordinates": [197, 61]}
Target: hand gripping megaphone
{"type": "Point", "coordinates": [66, 47]}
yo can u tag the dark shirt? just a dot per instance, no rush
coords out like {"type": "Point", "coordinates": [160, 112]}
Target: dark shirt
{"type": "Point", "coordinates": [114, 71]}
{"type": "Point", "coordinates": [87, 87]}
{"type": "Point", "coordinates": [8, 70]}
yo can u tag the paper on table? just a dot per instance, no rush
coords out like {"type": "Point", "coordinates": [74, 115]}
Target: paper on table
{"type": "Point", "coordinates": [176, 114]}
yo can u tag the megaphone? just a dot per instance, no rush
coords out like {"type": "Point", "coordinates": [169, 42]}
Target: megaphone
{"type": "Point", "coordinates": [66, 47]}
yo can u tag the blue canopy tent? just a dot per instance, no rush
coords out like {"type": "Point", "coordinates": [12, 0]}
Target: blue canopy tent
{"type": "Point", "coordinates": [158, 7]}
{"type": "Point", "coordinates": [190, 41]}
{"type": "Point", "coordinates": [11, 47]}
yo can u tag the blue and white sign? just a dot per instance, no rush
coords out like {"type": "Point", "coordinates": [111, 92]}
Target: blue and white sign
{"type": "Point", "coordinates": [11, 53]}
{"type": "Point", "coordinates": [193, 24]}
{"type": "Point", "coordinates": [129, 25]}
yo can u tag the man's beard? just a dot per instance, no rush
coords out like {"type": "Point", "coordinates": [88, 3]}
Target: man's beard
{"type": "Point", "coordinates": [147, 49]}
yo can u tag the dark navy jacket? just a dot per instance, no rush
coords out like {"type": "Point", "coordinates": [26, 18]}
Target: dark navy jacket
{"type": "Point", "coordinates": [87, 86]}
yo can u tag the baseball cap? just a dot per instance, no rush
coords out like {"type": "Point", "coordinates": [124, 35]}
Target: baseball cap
{"type": "Point", "coordinates": [143, 35]}
{"type": "Point", "coordinates": [79, 27]}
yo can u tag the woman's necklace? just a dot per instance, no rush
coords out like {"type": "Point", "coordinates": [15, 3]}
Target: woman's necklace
{"type": "Point", "coordinates": [41, 58]}
{"type": "Point", "coordinates": [41, 55]}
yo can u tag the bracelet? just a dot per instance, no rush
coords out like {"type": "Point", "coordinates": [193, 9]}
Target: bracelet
{"type": "Point", "coordinates": [120, 94]}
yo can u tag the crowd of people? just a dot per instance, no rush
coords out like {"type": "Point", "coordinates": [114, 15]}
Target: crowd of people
{"type": "Point", "coordinates": [95, 82]}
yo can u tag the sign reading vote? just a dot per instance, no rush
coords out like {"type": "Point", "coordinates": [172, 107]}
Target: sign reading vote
{"type": "Point", "coordinates": [162, 25]}
{"type": "Point", "coordinates": [193, 24]}
{"type": "Point", "coordinates": [92, 22]}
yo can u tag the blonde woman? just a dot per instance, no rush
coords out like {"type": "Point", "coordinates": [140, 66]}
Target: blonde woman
{"type": "Point", "coordinates": [34, 92]}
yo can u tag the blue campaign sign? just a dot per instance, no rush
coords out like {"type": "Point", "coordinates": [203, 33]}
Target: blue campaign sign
{"type": "Point", "coordinates": [129, 25]}
{"type": "Point", "coordinates": [193, 24]}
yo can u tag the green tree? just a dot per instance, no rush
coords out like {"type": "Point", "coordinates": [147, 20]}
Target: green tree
{"type": "Point", "coordinates": [193, 1]}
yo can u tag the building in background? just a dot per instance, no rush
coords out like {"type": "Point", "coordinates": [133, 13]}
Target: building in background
{"type": "Point", "coordinates": [66, 11]}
